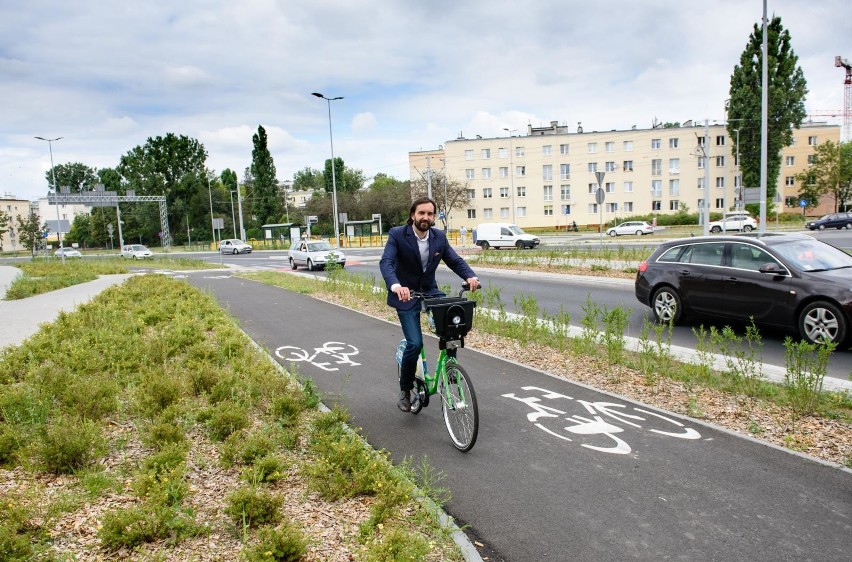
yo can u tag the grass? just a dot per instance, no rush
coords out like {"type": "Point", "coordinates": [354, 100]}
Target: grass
{"type": "Point", "coordinates": [121, 395]}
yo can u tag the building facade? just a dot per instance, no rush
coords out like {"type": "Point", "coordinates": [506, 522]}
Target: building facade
{"type": "Point", "coordinates": [13, 208]}
{"type": "Point", "coordinates": [549, 177]}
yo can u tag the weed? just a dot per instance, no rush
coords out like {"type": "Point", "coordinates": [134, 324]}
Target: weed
{"type": "Point", "coordinates": [807, 365]}
{"type": "Point", "coordinates": [615, 323]}
{"type": "Point", "coordinates": [285, 543]}
{"type": "Point", "coordinates": [252, 507]}
{"type": "Point", "coordinates": [396, 545]}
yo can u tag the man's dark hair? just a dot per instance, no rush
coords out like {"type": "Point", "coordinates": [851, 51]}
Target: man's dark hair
{"type": "Point", "coordinates": [416, 203]}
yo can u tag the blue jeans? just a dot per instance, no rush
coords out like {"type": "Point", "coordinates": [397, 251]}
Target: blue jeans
{"type": "Point", "coordinates": [410, 322]}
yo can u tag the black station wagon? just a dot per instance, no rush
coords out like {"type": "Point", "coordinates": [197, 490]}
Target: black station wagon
{"type": "Point", "coordinates": [792, 281]}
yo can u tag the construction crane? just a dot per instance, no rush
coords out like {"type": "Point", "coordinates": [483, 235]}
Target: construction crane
{"type": "Point", "coordinates": [847, 97]}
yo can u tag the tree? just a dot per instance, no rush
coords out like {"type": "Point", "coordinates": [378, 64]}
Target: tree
{"type": "Point", "coordinates": [308, 179]}
{"type": "Point", "coordinates": [30, 232]}
{"type": "Point", "coordinates": [830, 174]}
{"type": "Point", "coordinates": [266, 199]}
{"type": "Point", "coordinates": [787, 91]}
{"type": "Point", "coordinates": [388, 197]}
{"type": "Point", "coordinates": [4, 226]}
{"type": "Point", "coordinates": [448, 194]}
{"type": "Point", "coordinates": [76, 176]}
{"type": "Point", "coordinates": [337, 180]}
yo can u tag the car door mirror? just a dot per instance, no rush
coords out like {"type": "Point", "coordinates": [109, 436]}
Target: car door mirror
{"type": "Point", "coordinates": [772, 268]}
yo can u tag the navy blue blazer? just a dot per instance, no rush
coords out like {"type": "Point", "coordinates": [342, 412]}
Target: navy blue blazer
{"type": "Point", "coordinates": [400, 263]}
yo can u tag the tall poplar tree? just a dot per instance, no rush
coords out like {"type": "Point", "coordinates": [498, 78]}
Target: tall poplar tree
{"type": "Point", "coordinates": [267, 205]}
{"type": "Point", "coordinates": [787, 91]}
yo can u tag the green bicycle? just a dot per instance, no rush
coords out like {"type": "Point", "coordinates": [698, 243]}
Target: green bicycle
{"type": "Point", "coordinates": [450, 318]}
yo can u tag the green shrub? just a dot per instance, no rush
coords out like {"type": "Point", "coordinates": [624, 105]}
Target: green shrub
{"type": "Point", "coordinates": [265, 469]}
{"type": "Point", "coordinates": [397, 545]}
{"type": "Point", "coordinates": [16, 531]}
{"type": "Point", "coordinates": [287, 407]}
{"type": "Point", "coordinates": [286, 543]}
{"type": "Point", "coordinates": [250, 507]}
{"type": "Point", "coordinates": [133, 526]}
{"type": "Point", "coordinates": [66, 444]}
{"type": "Point", "coordinates": [90, 396]}
{"type": "Point", "coordinates": [162, 433]}
{"type": "Point", "coordinates": [157, 391]}
{"type": "Point", "coordinates": [243, 447]}
{"type": "Point", "coordinates": [225, 418]}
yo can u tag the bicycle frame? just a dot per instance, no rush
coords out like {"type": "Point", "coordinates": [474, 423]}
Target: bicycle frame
{"type": "Point", "coordinates": [444, 357]}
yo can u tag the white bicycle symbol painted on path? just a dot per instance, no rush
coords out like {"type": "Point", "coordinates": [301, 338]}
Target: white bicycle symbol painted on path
{"type": "Point", "coordinates": [337, 353]}
{"type": "Point", "coordinates": [594, 423]}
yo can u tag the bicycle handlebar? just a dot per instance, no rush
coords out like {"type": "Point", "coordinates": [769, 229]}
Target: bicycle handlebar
{"type": "Point", "coordinates": [465, 286]}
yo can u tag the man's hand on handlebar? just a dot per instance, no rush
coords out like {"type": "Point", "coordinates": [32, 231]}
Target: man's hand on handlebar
{"type": "Point", "coordinates": [403, 293]}
{"type": "Point", "coordinates": [472, 284]}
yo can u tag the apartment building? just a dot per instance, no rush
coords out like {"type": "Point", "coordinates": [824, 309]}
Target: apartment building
{"type": "Point", "coordinates": [13, 207]}
{"type": "Point", "coordinates": [549, 176]}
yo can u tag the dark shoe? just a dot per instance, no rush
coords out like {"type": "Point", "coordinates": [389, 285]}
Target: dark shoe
{"type": "Point", "coordinates": [404, 401]}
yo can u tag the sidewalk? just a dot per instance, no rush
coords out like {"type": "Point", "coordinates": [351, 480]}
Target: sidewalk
{"type": "Point", "coordinates": [22, 318]}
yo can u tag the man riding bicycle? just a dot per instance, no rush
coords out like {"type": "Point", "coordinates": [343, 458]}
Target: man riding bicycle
{"type": "Point", "coordinates": [411, 257]}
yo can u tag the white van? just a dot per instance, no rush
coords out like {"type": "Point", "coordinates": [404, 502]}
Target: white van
{"type": "Point", "coordinates": [503, 234]}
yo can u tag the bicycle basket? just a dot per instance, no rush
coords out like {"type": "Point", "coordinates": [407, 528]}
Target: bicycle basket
{"type": "Point", "coordinates": [453, 316]}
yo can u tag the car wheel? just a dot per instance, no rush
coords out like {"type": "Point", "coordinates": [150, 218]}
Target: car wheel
{"type": "Point", "coordinates": [822, 227]}
{"type": "Point", "coordinates": [716, 229]}
{"type": "Point", "coordinates": [821, 321]}
{"type": "Point", "coordinates": [747, 228]}
{"type": "Point", "coordinates": [612, 233]}
{"type": "Point", "coordinates": [310, 265]}
{"type": "Point", "coordinates": [667, 306]}
{"type": "Point", "coordinates": [293, 265]}
{"type": "Point", "coordinates": [639, 233]}
{"type": "Point", "coordinates": [519, 245]}
{"type": "Point", "coordinates": [485, 245]}
{"type": "Point", "coordinates": [848, 225]}
{"type": "Point", "coordinates": [236, 252]}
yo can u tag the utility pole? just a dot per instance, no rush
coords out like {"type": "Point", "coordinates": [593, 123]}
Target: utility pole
{"type": "Point", "coordinates": [705, 212]}
{"type": "Point", "coordinates": [764, 124]}
{"type": "Point", "coordinates": [429, 177]}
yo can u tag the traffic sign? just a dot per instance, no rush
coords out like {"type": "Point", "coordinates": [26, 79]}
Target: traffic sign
{"type": "Point", "coordinates": [600, 195]}
{"type": "Point", "coordinates": [803, 202]}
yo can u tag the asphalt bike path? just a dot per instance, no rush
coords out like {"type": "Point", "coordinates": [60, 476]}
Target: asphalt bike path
{"type": "Point", "coordinates": [560, 471]}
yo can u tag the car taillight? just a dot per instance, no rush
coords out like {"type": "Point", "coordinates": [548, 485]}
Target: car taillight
{"type": "Point", "coordinates": [643, 267]}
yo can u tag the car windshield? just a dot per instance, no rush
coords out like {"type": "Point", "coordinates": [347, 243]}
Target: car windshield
{"type": "Point", "coordinates": [812, 255]}
{"type": "Point", "coordinates": [319, 246]}
{"type": "Point", "coordinates": [516, 230]}
{"type": "Point", "coordinates": [138, 248]}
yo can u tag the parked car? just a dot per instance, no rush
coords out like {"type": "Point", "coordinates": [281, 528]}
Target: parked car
{"type": "Point", "coordinates": [639, 228]}
{"type": "Point", "coordinates": [793, 281]}
{"type": "Point", "coordinates": [315, 254]}
{"type": "Point", "coordinates": [67, 253]}
{"type": "Point", "coordinates": [733, 223]}
{"type": "Point", "coordinates": [503, 235]}
{"type": "Point", "coordinates": [136, 252]}
{"type": "Point", "coordinates": [234, 246]}
{"type": "Point", "coordinates": [834, 220]}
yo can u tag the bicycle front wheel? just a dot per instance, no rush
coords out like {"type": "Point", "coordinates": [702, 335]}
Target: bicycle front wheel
{"type": "Point", "coordinates": [458, 402]}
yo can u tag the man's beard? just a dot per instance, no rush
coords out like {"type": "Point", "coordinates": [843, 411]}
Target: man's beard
{"type": "Point", "coordinates": [424, 225]}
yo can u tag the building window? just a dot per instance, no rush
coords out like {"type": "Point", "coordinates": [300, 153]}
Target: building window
{"type": "Point", "coordinates": [504, 212]}
{"type": "Point", "coordinates": [720, 202]}
{"type": "Point", "coordinates": [468, 154]}
{"type": "Point", "coordinates": [812, 141]}
{"type": "Point", "coordinates": [563, 149]}
{"type": "Point", "coordinates": [520, 171]}
{"type": "Point", "coordinates": [609, 167]}
{"type": "Point", "coordinates": [565, 171]}
{"type": "Point", "coordinates": [592, 188]}
{"type": "Point", "coordinates": [521, 191]}
{"type": "Point", "coordinates": [504, 171]}
{"type": "Point", "coordinates": [811, 158]}
{"type": "Point", "coordinates": [609, 146]}
{"type": "Point", "coordinates": [700, 183]}
{"type": "Point", "coordinates": [611, 207]}
{"type": "Point", "coordinates": [656, 205]}
{"type": "Point", "coordinates": [548, 192]}
{"type": "Point", "coordinates": [504, 193]}
{"type": "Point", "coordinates": [468, 173]}
{"type": "Point", "coordinates": [674, 205]}
{"type": "Point", "coordinates": [548, 210]}
{"type": "Point", "coordinates": [519, 151]}
{"type": "Point", "coordinates": [486, 193]}
{"type": "Point", "coordinates": [737, 181]}
{"type": "Point", "coordinates": [790, 181]}
{"type": "Point", "coordinates": [593, 167]}
{"type": "Point", "coordinates": [656, 167]}
{"type": "Point", "coordinates": [592, 147]}
{"type": "Point", "coordinates": [700, 141]}
{"type": "Point", "coordinates": [628, 146]}
{"type": "Point", "coordinates": [610, 187]}
{"type": "Point", "coordinates": [471, 194]}
{"type": "Point", "coordinates": [655, 144]}
{"type": "Point", "coordinates": [628, 187]}
{"type": "Point", "coordinates": [502, 153]}
{"type": "Point", "coordinates": [720, 140]}
{"type": "Point", "coordinates": [627, 166]}
{"type": "Point", "coordinates": [593, 208]}
{"type": "Point", "coordinates": [547, 172]}
{"type": "Point", "coordinates": [720, 182]}
{"type": "Point", "coordinates": [487, 213]}
{"type": "Point", "coordinates": [471, 213]}
{"type": "Point", "coordinates": [566, 209]}
{"type": "Point", "coordinates": [720, 161]}
{"type": "Point", "coordinates": [673, 143]}
{"type": "Point", "coordinates": [565, 192]}
{"type": "Point", "coordinates": [656, 188]}
{"type": "Point", "coordinates": [521, 211]}
{"type": "Point", "coordinates": [674, 188]}
{"type": "Point", "coordinates": [628, 206]}
{"type": "Point", "coordinates": [486, 173]}
{"type": "Point", "coordinates": [546, 150]}
{"type": "Point", "coordinates": [700, 163]}
{"type": "Point", "coordinates": [674, 165]}
{"type": "Point", "coordinates": [790, 160]}
{"type": "Point", "coordinates": [486, 153]}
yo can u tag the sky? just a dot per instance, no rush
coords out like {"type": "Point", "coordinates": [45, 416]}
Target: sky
{"type": "Point", "coordinates": [106, 76]}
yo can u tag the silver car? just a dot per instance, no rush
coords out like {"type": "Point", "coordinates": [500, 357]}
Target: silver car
{"type": "Point", "coordinates": [234, 246]}
{"type": "Point", "coordinates": [136, 252]}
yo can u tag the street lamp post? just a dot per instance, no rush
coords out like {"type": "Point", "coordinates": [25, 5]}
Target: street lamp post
{"type": "Point", "coordinates": [738, 181]}
{"type": "Point", "coordinates": [511, 169]}
{"type": "Point", "coordinates": [233, 216]}
{"type": "Point", "coordinates": [55, 189]}
{"type": "Point", "coordinates": [333, 177]}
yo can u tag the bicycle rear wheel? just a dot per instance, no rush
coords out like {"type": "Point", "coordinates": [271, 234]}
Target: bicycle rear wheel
{"type": "Point", "coordinates": [458, 402]}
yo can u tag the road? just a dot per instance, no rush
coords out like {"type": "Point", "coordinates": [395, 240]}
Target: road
{"type": "Point", "coordinates": [561, 471]}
